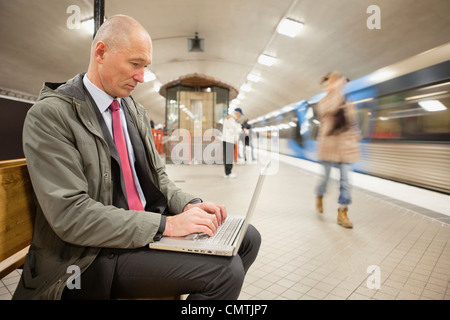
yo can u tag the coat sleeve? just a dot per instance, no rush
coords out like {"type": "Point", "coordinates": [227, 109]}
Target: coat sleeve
{"type": "Point", "coordinates": [65, 172]}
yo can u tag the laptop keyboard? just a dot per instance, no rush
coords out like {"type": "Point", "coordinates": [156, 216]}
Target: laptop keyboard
{"type": "Point", "coordinates": [223, 234]}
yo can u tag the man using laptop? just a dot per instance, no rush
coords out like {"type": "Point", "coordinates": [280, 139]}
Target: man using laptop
{"type": "Point", "coordinates": [103, 194]}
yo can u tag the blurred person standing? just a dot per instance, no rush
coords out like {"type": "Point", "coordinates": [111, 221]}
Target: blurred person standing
{"type": "Point", "coordinates": [247, 139]}
{"type": "Point", "coordinates": [230, 135]}
{"type": "Point", "coordinates": [338, 142]}
{"type": "Point", "coordinates": [152, 123]}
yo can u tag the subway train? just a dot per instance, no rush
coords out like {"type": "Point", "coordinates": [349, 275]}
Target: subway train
{"type": "Point", "coordinates": [404, 122]}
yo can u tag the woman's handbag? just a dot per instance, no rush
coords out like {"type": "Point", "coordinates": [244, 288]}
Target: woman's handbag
{"type": "Point", "coordinates": [340, 122]}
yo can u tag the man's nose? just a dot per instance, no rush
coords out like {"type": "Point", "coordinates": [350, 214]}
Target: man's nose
{"type": "Point", "coordinates": [139, 76]}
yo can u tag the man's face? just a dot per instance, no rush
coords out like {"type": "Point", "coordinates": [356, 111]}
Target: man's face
{"type": "Point", "coordinates": [122, 68]}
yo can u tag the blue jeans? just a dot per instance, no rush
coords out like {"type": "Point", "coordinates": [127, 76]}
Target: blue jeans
{"type": "Point", "coordinates": [345, 187]}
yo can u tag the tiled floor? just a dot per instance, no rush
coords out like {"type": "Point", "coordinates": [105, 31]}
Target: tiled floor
{"type": "Point", "coordinates": [8, 284]}
{"type": "Point", "coordinates": [394, 251]}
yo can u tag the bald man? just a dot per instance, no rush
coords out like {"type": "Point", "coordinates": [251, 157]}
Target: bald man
{"type": "Point", "coordinates": [101, 201]}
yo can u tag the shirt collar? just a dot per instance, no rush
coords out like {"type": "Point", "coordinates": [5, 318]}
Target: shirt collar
{"type": "Point", "coordinates": [101, 98]}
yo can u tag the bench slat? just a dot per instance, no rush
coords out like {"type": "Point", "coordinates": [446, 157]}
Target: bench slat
{"type": "Point", "coordinates": [13, 262]}
{"type": "Point", "coordinates": [17, 210]}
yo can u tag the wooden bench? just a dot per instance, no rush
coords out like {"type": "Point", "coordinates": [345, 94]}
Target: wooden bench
{"type": "Point", "coordinates": [17, 212]}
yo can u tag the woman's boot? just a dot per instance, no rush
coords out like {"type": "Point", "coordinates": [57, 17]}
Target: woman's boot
{"type": "Point", "coordinates": [319, 204]}
{"type": "Point", "coordinates": [342, 218]}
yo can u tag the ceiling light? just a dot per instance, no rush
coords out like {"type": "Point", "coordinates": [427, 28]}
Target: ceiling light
{"type": "Point", "coordinates": [266, 60]}
{"type": "Point", "coordinates": [289, 27]}
{"type": "Point", "coordinates": [246, 87]}
{"type": "Point", "coordinates": [432, 105]}
{"type": "Point", "coordinates": [148, 75]}
{"type": "Point", "coordinates": [253, 77]}
{"type": "Point", "coordinates": [88, 25]}
{"type": "Point", "coordinates": [156, 85]}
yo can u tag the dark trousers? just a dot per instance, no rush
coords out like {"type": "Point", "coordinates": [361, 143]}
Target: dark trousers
{"type": "Point", "coordinates": [228, 156]}
{"type": "Point", "coordinates": [146, 273]}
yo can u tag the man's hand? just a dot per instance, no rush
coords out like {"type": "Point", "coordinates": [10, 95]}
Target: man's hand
{"type": "Point", "coordinates": [202, 217]}
{"type": "Point", "coordinates": [217, 209]}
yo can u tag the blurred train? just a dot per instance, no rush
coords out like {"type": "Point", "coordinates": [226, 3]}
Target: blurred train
{"type": "Point", "coordinates": [404, 122]}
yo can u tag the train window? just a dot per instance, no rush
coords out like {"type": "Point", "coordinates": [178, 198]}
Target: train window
{"type": "Point", "coordinates": [421, 114]}
{"type": "Point", "coordinates": [283, 126]}
{"type": "Point", "coordinates": [314, 122]}
{"type": "Point", "coordinates": [364, 116]}
{"type": "Point", "coordinates": [287, 124]}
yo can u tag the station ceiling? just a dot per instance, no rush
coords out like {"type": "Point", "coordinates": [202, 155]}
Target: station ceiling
{"type": "Point", "coordinates": [39, 43]}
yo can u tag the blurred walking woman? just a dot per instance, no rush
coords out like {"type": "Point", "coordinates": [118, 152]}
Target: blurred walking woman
{"type": "Point", "coordinates": [338, 142]}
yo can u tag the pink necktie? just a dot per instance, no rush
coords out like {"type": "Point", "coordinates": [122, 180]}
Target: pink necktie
{"type": "Point", "coordinates": [134, 202]}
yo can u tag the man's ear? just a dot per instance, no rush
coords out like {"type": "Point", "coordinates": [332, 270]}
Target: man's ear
{"type": "Point", "coordinates": [99, 51]}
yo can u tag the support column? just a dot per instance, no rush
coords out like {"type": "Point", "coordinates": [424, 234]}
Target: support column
{"type": "Point", "coordinates": [99, 14]}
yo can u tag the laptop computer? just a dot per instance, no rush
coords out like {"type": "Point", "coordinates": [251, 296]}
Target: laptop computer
{"type": "Point", "coordinates": [228, 237]}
